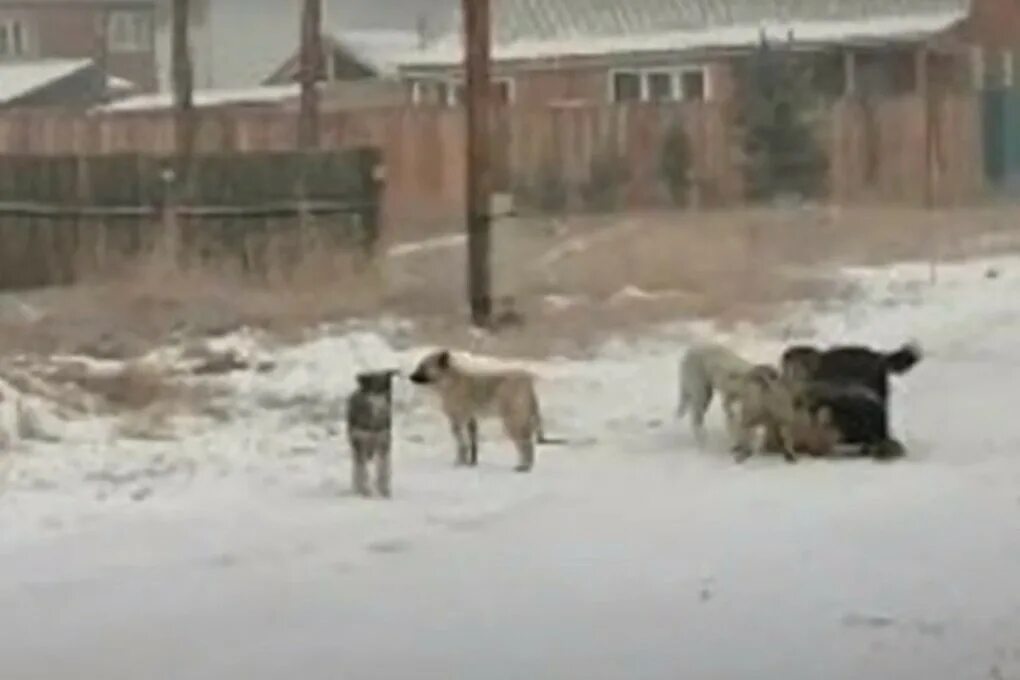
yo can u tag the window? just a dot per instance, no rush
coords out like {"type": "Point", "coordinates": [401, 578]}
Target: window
{"type": "Point", "coordinates": [456, 94]}
{"type": "Point", "coordinates": [13, 42]}
{"type": "Point", "coordinates": [626, 87]}
{"type": "Point", "coordinates": [659, 85]}
{"type": "Point", "coordinates": [129, 31]}
{"type": "Point", "coordinates": [998, 69]}
{"type": "Point", "coordinates": [503, 92]}
{"type": "Point", "coordinates": [692, 85]}
{"type": "Point", "coordinates": [452, 93]}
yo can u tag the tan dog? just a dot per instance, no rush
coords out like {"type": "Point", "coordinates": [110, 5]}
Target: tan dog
{"type": "Point", "coordinates": [705, 370]}
{"type": "Point", "coordinates": [468, 393]}
{"type": "Point", "coordinates": [768, 400]}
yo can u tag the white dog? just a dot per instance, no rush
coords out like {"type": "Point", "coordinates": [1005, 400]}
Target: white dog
{"type": "Point", "coordinates": [705, 370]}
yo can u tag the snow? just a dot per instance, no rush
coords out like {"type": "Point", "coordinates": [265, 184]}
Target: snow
{"type": "Point", "coordinates": [266, 94]}
{"type": "Point", "coordinates": [120, 84]}
{"type": "Point", "coordinates": [449, 50]}
{"type": "Point", "coordinates": [18, 79]}
{"type": "Point", "coordinates": [236, 551]}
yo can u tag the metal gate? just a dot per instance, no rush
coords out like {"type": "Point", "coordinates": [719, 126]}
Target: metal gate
{"type": "Point", "coordinates": [1001, 124]}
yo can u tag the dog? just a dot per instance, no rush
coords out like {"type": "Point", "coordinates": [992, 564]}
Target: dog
{"type": "Point", "coordinates": [705, 369]}
{"type": "Point", "coordinates": [845, 368]}
{"type": "Point", "coordinates": [468, 393]}
{"type": "Point", "coordinates": [765, 400]}
{"type": "Point", "coordinates": [850, 365]}
{"type": "Point", "coordinates": [856, 413]}
{"type": "Point", "coordinates": [369, 427]}
{"type": "Point", "coordinates": [768, 400]}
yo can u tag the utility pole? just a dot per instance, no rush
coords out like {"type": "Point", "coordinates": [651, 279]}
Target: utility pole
{"type": "Point", "coordinates": [183, 85]}
{"type": "Point", "coordinates": [310, 70]}
{"type": "Point", "coordinates": [477, 31]}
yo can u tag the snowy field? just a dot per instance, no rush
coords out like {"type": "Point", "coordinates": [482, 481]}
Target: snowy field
{"type": "Point", "coordinates": [231, 548]}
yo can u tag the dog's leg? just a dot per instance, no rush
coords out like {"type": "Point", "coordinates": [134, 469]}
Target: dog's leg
{"type": "Point", "coordinates": [699, 407]}
{"type": "Point", "coordinates": [526, 451]}
{"type": "Point", "coordinates": [733, 413]}
{"type": "Point", "coordinates": [742, 448]}
{"type": "Point", "coordinates": [359, 470]}
{"type": "Point", "coordinates": [462, 443]}
{"type": "Point", "coordinates": [773, 439]}
{"type": "Point", "coordinates": [383, 469]}
{"type": "Point", "coordinates": [788, 444]}
{"type": "Point", "coordinates": [472, 432]}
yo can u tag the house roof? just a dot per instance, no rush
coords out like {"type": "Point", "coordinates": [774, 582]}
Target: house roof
{"type": "Point", "coordinates": [535, 29]}
{"type": "Point", "coordinates": [239, 42]}
{"type": "Point", "coordinates": [22, 78]}
{"type": "Point", "coordinates": [269, 94]}
{"type": "Point", "coordinates": [378, 50]}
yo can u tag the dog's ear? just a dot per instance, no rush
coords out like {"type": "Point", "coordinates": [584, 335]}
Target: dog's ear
{"type": "Point", "coordinates": [443, 360]}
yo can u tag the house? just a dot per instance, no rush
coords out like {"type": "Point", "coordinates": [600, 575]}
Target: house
{"type": "Point", "coordinates": [240, 43]}
{"type": "Point", "coordinates": [117, 34]}
{"type": "Point", "coordinates": [594, 51]}
{"type": "Point", "coordinates": [71, 83]}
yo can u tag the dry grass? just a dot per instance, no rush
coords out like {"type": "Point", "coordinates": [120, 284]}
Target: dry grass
{"type": "Point", "coordinates": [573, 280]}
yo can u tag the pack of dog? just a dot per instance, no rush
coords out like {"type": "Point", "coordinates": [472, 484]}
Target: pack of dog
{"type": "Point", "coordinates": [818, 402]}
{"type": "Point", "coordinates": [754, 397]}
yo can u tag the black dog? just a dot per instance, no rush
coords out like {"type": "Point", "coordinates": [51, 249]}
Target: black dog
{"type": "Point", "coordinates": [852, 381]}
{"type": "Point", "coordinates": [858, 414]}
{"type": "Point", "coordinates": [850, 365]}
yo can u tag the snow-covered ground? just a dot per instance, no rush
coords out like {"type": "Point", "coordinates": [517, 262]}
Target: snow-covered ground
{"type": "Point", "coordinates": [233, 549]}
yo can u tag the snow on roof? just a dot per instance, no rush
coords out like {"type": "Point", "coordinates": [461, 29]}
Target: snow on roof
{"type": "Point", "coordinates": [21, 78]}
{"type": "Point", "coordinates": [379, 50]}
{"type": "Point", "coordinates": [119, 84]}
{"type": "Point", "coordinates": [269, 94]}
{"type": "Point", "coordinates": [528, 29]}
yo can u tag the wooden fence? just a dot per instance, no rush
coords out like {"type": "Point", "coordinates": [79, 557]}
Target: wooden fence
{"type": "Point", "coordinates": [878, 151]}
{"type": "Point", "coordinates": [65, 215]}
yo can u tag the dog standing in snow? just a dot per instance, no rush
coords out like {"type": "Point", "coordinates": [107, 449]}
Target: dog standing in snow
{"type": "Point", "coordinates": [766, 401]}
{"type": "Point", "coordinates": [369, 426]}
{"type": "Point", "coordinates": [468, 393]}
{"type": "Point", "coordinates": [706, 369]}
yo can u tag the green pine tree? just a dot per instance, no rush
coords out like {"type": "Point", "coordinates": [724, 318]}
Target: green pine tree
{"type": "Point", "coordinates": [775, 99]}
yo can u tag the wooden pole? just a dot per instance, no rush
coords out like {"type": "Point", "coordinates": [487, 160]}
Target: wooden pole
{"type": "Point", "coordinates": [310, 70]}
{"type": "Point", "coordinates": [102, 49]}
{"type": "Point", "coordinates": [183, 86]}
{"type": "Point", "coordinates": [925, 90]}
{"type": "Point", "coordinates": [479, 172]}
{"type": "Point", "coordinates": [927, 93]}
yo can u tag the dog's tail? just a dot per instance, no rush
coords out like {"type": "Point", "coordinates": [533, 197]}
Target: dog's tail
{"type": "Point", "coordinates": [536, 415]}
{"type": "Point", "coordinates": [905, 358]}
